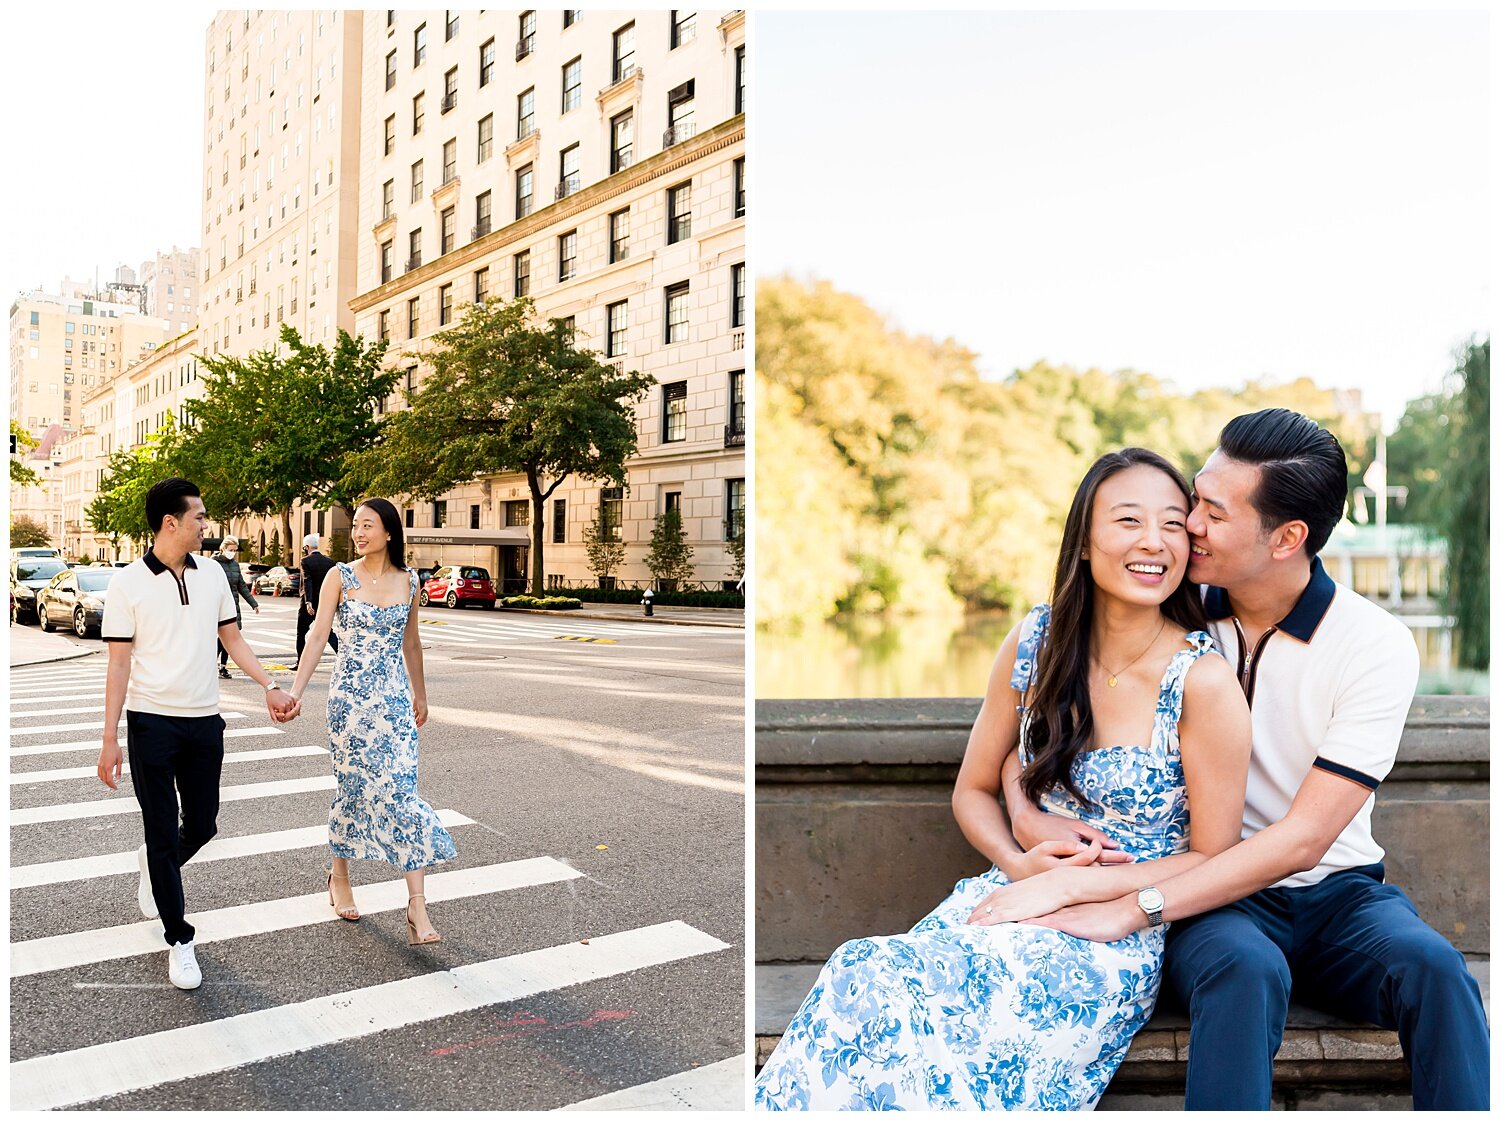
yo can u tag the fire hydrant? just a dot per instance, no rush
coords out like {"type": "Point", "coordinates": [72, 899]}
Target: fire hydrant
{"type": "Point", "coordinates": [646, 602]}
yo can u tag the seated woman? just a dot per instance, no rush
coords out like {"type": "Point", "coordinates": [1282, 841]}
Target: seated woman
{"type": "Point", "coordinates": [1122, 724]}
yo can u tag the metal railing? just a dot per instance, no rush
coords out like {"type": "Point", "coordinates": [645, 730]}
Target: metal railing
{"type": "Point", "coordinates": [566, 187]}
{"type": "Point", "coordinates": [678, 133]}
{"type": "Point", "coordinates": [734, 433]}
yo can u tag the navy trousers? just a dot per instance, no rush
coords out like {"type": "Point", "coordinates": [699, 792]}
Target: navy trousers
{"type": "Point", "coordinates": [1351, 945]}
{"type": "Point", "coordinates": [172, 755]}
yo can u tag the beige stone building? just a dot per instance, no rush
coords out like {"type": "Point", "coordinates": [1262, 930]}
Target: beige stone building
{"type": "Point", "coordinates": [172, 288]}
{"type": "Point", "coordinates": [42, 502]}
{"type": "Point", "coordinates": [595, 162]}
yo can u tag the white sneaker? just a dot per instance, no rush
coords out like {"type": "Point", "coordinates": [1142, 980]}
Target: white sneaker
{"type": "Point", "coordinates": [182, 966]}
{"type": "Point", "coordinates": [143, 897]}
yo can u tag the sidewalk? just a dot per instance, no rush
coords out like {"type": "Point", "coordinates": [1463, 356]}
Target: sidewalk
{"type": "Point", "coordinates": [30, 647]}
{"type": "Point", "coordinates": [633, 612]}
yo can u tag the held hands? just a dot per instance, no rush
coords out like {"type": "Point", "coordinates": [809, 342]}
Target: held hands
{"type": "Point", "coordinates": [110, 762]}
{"type": "Point", "coordinates": [1051, 841]}
{"type": "Point", "coordinates": [282, 706]}
{"type": "Point", "coordinates": [1098, 922]}
{"type": "Point", "coordinates": [1037, 895]}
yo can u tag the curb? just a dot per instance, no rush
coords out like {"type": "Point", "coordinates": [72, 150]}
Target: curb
{"type": "Point", "coordinates": [620, 618]}
{"type": "Point", "coordinates": [46, 658]}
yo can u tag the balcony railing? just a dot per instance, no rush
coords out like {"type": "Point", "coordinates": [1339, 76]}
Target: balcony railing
{"type": "Point", "coordinates": [734, 433]}
{"type": "Point", "coordinates": [567, 187]}
{"type": "Point", "coordinates": [450, 101]}
{"type": "Point", "coordinates": [678, 133]}
{"type": "Point", "coordinates": [252, 288]}
{"type": "Point", "coordinates": [737, 340]}
{"type": "Point", "coordinates": [479, 230]}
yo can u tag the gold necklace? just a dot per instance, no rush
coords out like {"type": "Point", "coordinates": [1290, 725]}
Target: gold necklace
{"type": "Point", "coordinates": [1114, 678]}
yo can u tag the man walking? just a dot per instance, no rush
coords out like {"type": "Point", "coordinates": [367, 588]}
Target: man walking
{"type": "Point", "coordinates": [161, 620]}
{"type": "Point", "coordinates": [315, 566]}
{"type": "Point", "coordinates": [1302, 900]}
{"type": "Point", "coordinates": [228, 557]}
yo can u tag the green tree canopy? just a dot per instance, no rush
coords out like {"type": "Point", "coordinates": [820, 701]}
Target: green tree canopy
{"type": "Point", "coordinates": [28, 533]}
{"type": "Point", "coordinates": [20, 474]}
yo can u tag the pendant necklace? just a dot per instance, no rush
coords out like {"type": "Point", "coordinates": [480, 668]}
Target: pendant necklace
{"type": "Point", "coordinates": [1114, 678]}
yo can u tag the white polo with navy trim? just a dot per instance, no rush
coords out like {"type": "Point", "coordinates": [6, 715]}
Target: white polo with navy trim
{"type": "Point", "coordinates": [172, 626]}
{"type": "Point", "coordinates": [1329, 687]}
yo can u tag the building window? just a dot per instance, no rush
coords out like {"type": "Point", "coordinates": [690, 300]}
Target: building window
{"type": "Point", "coordinates": [387, 199]}
{"type": "Point", "coordinates": [734, 509]}
{"type": "Point", "coordinates": [450, 89]}
{"type": "Point", "coordinates": [474, 516]}
{"type": "Point", "coordinates": [559, 521]}
{"type": "Point", "coordinates": [418, 112]}
{"type": "Point", "coordinates": [482, 215]}
{"type": "Point", "coordinates": [445, 305]}
{"type": "Point", "coordinates": [570, 17]}
{"type": "Point", "coordinates": [450, 231]}
{"type": "Point", "coordinates": [411, 518]}
{"type": "Point", "coordinates": [387, 261]}
{"type": "Point", "coordinates": [568, 179]}
{"type": "Point", "coordinates": [674, 412]}
{"type": "Point", "coordinates": [518, 512]}
{"type": "Point", "coordinates": [736, 430]}
{"type": "Point", "coordinates": [572, 84]}
{"type": "Point", "coordinates": [679, 213]}
{"type": "Point", "coordinates": [523, 192]}
{"type": "Point", "coordinates": [523, 273]}
{"type": "Point", "coordinates": [419, 46]}
{"type": "Point", "coordinates": [619, 322]}
{"type": "Point", "coordinates": [739, 79]}
{"type": "Point", "coordinates": [567, 255]}
{"type": "Point", "coordinates": [416, 181]}
{"type": "Point", "coordinates": [680, 121]}
{"type": "Point", "coordinates": [619, 235]}
{"type": "Point", "coordinates": [612, 509]}
{"type": "Point", "coordinates": [439, 514]}
{"type": "Point", "coordinates": [486, 63]}
{"type": "Point", "coordinates": [450, 161]}
{"type": "Point", "coordinates": [390, 134]}
{"type": "Point", "coordinates": [684, 27]}
{"type": "Point", "coordinates": [525, 113]}
{"type": "Point", "coordinates": [624, 56]}
{"type": "Point", "coordinates": [390, 71]}
{"type": "Point", "coordinates": [526, 40]}
{"type": "Point", "coordinates": [677, 313]}
{"type": "Point", "coordinates": [737, 286]}
{"type": "Point", "coordinates": [481, 285]}
{"type": "Point", "coordinates": [452, 28]}
{"type": "Point", "coordinates": [621, 141]}
{"type": "Point", "coordinates": [413, 321]}
{"type": "Point", "coordinates": [414, 247]}
{"type": "Point", "coordinates": [486, 137]}
{"type": "Point", "coordinates": [384, 330]}
{"type": "Point", "coordinates": [739, 187]}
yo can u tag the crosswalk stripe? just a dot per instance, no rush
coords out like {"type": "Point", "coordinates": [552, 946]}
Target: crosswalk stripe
{"type": "Point", "coordinates": [95, 724]}
{"type": "Point", "coordinates": [88, 947]}
{"type": "Point", "coordinates": [26, 778]}
{"type": "Point", "coordinates": [45, 684]}
{"type": "Point", "coordinates": [125, 804]}
{"type": "Point", "coordinates": [718, 1085]}
{"type": "Point", "coordinates": [93, 744]}
{"type": "Point", "coordinates": [56, 712]}
{"type": "Point", "coordinates": [70, 1078]}
{"type": "Point", "coordinates": [220, 848]}
{"type": "Point", "coordinates": [39, 699]}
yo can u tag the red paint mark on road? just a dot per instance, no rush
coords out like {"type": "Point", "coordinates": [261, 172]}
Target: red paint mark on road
{"type": "Point", "coordinates": [524, 1023]}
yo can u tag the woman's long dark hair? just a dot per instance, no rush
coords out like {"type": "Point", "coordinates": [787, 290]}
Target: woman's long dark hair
{"type": "Point", "coordinates": [1061, 723]}
{"type": "Point", "coordinates": [391, 519]}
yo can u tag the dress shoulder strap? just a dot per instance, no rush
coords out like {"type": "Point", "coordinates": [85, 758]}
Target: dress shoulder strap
{"type": "Point", "coordinates": [1169, 699]}
{"type": "Point", "coordinates": [346, 576]}
{"type": "Point", "coordinates": [1033, 637]}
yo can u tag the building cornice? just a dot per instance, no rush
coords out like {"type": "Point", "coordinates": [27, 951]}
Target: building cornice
{"type": "Point", "coordinates": [665, 164]}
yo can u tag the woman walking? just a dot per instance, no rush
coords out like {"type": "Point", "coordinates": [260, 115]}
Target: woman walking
{"type": "Point", "coordinates": [228, 557]}
{"type": "Point", "coordinates": [377, 699]}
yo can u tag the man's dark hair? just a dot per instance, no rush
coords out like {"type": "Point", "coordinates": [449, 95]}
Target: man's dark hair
{"type": "Point", "coordinates": [1303, 473]}
{"type": "Point", "coordinates": [168, 498]}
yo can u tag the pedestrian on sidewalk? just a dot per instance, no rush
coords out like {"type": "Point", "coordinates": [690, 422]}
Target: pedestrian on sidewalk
{"type": "Point", "coordinates": [377, 699]}
{"type": "Point", "coordinates": [315, 569]}
{"type": "Point", "coordinates": [162, 613]}
{"type": "Point", "coordinates": [228, 557]}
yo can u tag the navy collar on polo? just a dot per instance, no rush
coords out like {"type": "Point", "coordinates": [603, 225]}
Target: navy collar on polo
{"type": "Point", "coordinates": [1303, 619]}
{"type": "Point", "coordinates": [156, 566]}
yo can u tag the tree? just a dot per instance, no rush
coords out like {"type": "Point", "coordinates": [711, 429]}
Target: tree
{"type": "Point", "coordinates": [735, 547]}
{"type": "Point", "coordinates": [670, 558]}
{"type": "Point", "coordinates": [505, 395]}
{"type": "Point", "coordinates": [605, 552]}
{"type": "Point", "coordinates": [1465, 507]}
{"type": "Point", "coordinates": [20, 474]}
{"type": "Point", "coordinates": [119, 509]}
{"type": "Point", "coordinates": [28, 533]}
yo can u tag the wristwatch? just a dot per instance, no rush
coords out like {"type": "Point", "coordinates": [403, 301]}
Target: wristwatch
{"type": "Point", "coordinates": [272, 684]}
{"type": "Point", "coordinates": [1151, 900]}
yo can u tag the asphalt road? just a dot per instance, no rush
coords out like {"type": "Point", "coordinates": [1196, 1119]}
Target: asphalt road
{"type": "Point", "coordinates": [594, 921]}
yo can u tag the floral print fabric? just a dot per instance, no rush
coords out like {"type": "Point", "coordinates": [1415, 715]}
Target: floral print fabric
{"type": "Point", "coordinates": [377, 813]}
{"type": "Point", "coordinates": [1010, 1016]}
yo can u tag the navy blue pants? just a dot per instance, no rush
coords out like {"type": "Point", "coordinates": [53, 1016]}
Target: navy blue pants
{"type": "Point", "coordinates": [1352, 946]}
{"type": "Point", "coordinates": [172, 755]}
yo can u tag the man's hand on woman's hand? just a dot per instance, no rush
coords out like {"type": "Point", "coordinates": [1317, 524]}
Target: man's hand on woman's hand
{"type": "Point", "coordinates": [1038, 895]}
{"type": "Point", "coordinates": [1034, 829]}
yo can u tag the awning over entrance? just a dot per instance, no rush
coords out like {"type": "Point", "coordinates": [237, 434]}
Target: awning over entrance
{"type": "Point", "coordinates": [509, 535]}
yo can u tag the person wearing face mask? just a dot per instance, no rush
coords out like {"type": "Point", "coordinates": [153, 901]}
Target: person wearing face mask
{"type": "Point", "coordinates": [228, 557]}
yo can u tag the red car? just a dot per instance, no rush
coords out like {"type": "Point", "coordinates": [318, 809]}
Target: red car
{"type": "Point", "coordinates": [458, 584]}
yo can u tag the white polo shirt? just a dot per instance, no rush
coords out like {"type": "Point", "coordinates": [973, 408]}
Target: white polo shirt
{"type": "Point", "coordinates": [1329, 687]}
{"type": "Point", "coordinates": [173, 628]}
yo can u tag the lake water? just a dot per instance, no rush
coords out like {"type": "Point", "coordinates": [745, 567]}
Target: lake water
{"type": "Point", "coordinates": [951, 656]}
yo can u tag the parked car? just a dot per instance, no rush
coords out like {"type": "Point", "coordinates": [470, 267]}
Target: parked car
{"type": "Point", "coordinates": [28, 576]}
{"type": "Point", "coordinates": [33, 551]}
{"type": "Point", "coordinates": [74, 599]}
{"type": "Point", "coordinates": [279, 581]}
{"type": "Point", "coordinates": [456, 585]}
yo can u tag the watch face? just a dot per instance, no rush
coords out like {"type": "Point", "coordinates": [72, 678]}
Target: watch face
{"type": "Point", "coordinates": [1151, 899]}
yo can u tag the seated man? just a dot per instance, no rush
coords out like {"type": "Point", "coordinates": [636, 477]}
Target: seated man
{"type": "Point", "coordinates": [1302, 898]}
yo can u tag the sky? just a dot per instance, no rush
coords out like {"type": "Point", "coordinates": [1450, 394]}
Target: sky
{"type": "Point", "coordinates": [1209, 197]}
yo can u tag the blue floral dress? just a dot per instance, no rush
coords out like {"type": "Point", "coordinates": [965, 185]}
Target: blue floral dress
{"type": "Point", "coordinates": [377, 813]}
{"type": "Point", "coordinates": [1009, 1016]}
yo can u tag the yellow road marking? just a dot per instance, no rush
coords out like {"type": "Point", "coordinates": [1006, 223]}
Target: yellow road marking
{"type": "Point", "coordinates": [582, 638]}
